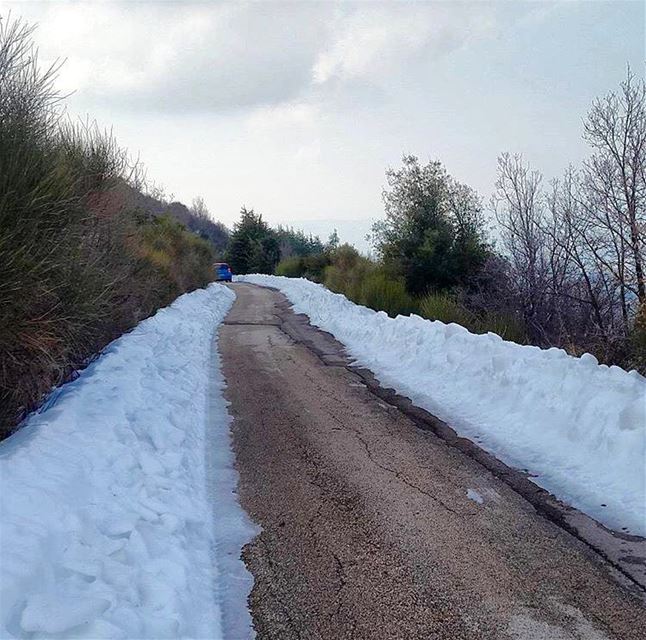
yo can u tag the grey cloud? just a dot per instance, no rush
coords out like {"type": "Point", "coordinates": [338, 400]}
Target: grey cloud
{"type": "Point", "coordinates": [213, 57]}
{"type": "Point", "coordinates": [200, 57]}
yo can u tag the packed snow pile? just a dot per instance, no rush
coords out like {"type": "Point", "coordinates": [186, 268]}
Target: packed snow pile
{"type": "Point", "coordinates": [578, 425]}
{"type": "Point", "coordinates": [118, 517]}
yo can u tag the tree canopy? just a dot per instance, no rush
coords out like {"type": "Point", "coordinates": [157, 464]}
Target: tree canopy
{"type": "Point", "coordinates": [433, 233]}
{"type": "Point", "coordinates": [253, 246]}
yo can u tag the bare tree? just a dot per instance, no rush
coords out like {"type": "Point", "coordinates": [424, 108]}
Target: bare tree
{"type": "Point", "coordinates": [584, 292]}
{"type": "Point", "coordinates": [199, 208]}
{"type": "Point", "coordinates": [518, 205]}
{"type": "Point", "coordinates": [614, 181]}
{"type": "Point", "coordinates": [576, 255]}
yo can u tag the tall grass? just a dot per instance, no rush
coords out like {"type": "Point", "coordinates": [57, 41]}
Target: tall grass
{"type": "Point", "coordinates": [444, 307]}
{"type": "Point", "coordinates": [382, 293]}
{"type": "Point", "coordinates": [447, 308]}
{"type": "Point", "coordinates": [77, 265]}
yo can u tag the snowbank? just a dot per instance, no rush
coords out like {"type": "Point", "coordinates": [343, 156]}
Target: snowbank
{"type": "Point", "coordinates": [118, 514]}
{"type": "Point", "coordinates": [579, 426]}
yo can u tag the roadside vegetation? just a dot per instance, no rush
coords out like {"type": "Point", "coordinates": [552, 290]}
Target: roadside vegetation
{"type": "Point", "coordinates": [564, 264]}
{"type": "Point", "coordinates": [255, 247]}
{"type": "Point", "coordinates": [83, 257]}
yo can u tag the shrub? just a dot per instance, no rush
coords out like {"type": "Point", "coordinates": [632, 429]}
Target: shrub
{"type": "Point", "coordinates": [347, 271]}
{"type": "Point", "coordinates": [314, 266]}
{"type": "Point", "coordinates": [78, 266]}
{"type": "Point", "coordinates": [507, 325]}
{"type": "Point", "coordinates": [381, 293]}
{"type": "Point", "coordinates": [310, 266]}
{"type": "Point", "coordinates": [446, 308]}
{"type": "Point", "coordinates": [636, 357]}
{"type": "Point", "coordinates": [178, 259]}
{"type": "Point", "coordinates": [291, 267]}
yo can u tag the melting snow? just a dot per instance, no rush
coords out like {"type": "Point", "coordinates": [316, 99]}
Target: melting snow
{"type": "Point", "coordinates": [472, 494]}
{"type": "Point", "coordinates": [118, 511]}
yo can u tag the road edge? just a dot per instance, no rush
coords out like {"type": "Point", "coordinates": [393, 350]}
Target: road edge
{"type": "Point", "coordinates": [624, 553]}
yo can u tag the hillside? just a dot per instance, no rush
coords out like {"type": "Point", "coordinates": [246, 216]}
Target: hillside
{"type": "Point", "coordinates": [198, 222]}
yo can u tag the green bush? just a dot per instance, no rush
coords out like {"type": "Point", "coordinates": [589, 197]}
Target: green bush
{"type": "Point", "coordinates": [446, 308]}
{"type": "Point", "coordinates": [347, 271]}
{"type": "Point", "coordinates": [314, 266]}
{"type": "Point", "coordinates": [373, 285]}
{"type": "Point", "coordinates": [311, 267]}
{"type": "Point", "coordinates": [381, 293]}
{"type": "Point", "coordinates": [291, 267]}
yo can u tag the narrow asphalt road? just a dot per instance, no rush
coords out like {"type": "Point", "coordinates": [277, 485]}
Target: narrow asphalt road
{"type": "Point", "coordinates": [373, 528]}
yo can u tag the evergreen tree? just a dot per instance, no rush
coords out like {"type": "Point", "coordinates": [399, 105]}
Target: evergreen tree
{"type": "Point", "coordinates": [253, 247]}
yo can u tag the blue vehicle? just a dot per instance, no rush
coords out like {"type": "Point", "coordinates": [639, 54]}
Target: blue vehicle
{"type": "Point", "coordinates": [222, 272]}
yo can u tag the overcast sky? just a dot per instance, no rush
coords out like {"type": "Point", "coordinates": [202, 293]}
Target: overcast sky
{"type": "Point", "coordinates": [296, 109]}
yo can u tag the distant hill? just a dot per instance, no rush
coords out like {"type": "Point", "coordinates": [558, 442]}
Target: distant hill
{"type": "Point", "coordinates": [215, 232]}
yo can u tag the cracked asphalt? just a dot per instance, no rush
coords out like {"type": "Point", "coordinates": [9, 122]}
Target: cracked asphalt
{"type": "Point", "coordinates": [367, 527]}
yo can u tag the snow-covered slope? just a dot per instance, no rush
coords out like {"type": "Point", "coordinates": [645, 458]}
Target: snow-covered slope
{"type": "Point", "coordinates": [118, 517]}
{"type": "Point", "coordinates": [578, 425]}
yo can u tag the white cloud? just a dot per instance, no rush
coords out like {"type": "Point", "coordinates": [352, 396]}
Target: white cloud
{"type": "Point", "coordinates": [375, 42]}
{"type": "Point", "coordinates": [181, 56]}
{"type": "Point", "coordinates": [294, 115]}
